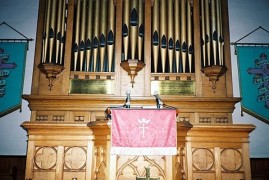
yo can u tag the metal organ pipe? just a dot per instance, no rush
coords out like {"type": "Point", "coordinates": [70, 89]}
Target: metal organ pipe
{"type": "Point", "coordinates": [126, 20]}
{"type": "Point", "coordinates": [96, 34]}
{"type": "Point", "coordinates": [190, 46]}
{"type": "Point", "coordinates": [82, 34]}
{"type": "Point", "coordinates": [58, 29]}
{"type": "Point", "coordinates": [177, 33]}
{"type": "Point", "coordinates": [62, 31]}
{"type": "Point", "coordinates": [76, 48]}
{"type": "Point", "coordinates": [170, 35]}
{"type": "Point", "coordinates": [89, 39]}
{"type": "Point", "coordinates": [155, 34]}
{"type": "Point", "coordinates": [103, 30]}
{"type": "Point", "coordinates": [111, 32]}
{"type": "Point", "coordinates": [46, 31]}
{"type": "Point", "coordinates": [184, 45]}
{"type": "Point", "coordinates": [163, 33]}
{"type": "Point", "coordinates": [140, 28]}
{"type": "Point", "coordinates": [133, 27]}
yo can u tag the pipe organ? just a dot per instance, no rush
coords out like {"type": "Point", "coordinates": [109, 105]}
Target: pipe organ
{"type": "Point", "coordinates": [89, 53]}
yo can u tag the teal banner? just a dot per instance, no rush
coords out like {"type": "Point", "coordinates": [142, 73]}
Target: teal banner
{"type": "Point", "coordinates": [12, 66]}
{"type": "Point", "coordinates": [253, 70]}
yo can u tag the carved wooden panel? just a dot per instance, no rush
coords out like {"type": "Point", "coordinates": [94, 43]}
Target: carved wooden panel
{"type": "Point", "coordinates": [231, 160]}
{"type": "Point", "coordinates": [203, 159]}
{"type": "Point", "coordinates": [45, 158]}
{"type": "Point", "coordinates": [100, 163]}
{"type": "Point", "coordinates": [128, 167]}
{"type": "Point", "coordinates": [75, 158]}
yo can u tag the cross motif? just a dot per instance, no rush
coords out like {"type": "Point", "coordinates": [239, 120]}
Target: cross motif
{"type": "Point", "coordinates": [75, 158]}
{"type": "Point", "coordinates": [45, 158]}
{"type": "Point", "coordinates": [262, 71]}
{"type": "Point", "coordinates": [147, 176]}
{"type": "Point", "coordinates": [143, 122]}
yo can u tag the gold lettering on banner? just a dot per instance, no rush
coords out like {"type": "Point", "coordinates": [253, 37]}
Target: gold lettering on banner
{"type": "Point", "coordinates": [184, 88]}
{"type": "Point", "coordinates": [86, 86]}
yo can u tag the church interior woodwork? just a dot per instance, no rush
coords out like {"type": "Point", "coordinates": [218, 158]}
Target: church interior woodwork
{"type": "Point", "coordinates": [90, 53]}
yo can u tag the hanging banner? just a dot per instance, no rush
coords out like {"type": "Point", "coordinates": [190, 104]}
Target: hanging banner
{"type": "Point", "coordinates": [143, 132]}
{"type": "Point", "coordinates": [12, 67]}
{"type": "Point", "coordinates": [253, 70]}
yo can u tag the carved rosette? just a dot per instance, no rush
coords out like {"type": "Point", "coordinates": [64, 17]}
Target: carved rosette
{"type": "Point", "coordinates": [231, 160]}
{"type": "Point", "coordinates": [45, 158]}
{"type": "Point", "coordinates": [203, 159]}
{"type": "Point", "coordinates": [75, 158]}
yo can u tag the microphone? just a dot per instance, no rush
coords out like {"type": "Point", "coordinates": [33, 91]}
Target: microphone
{"type": "Point", "coordinates": [128, 99]}
{"type": "Point", "coordinates": [158, 100]}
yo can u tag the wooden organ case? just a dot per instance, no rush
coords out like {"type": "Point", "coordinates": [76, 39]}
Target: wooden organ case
{"type": "Point", "coordinates": [90, 52]}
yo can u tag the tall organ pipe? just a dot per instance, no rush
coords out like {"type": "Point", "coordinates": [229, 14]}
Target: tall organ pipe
{"type": "Point", "coordinates": [58, 29]}
{"type": "Point", "coordinates": [170, 35]}
{"type": "Point", "coordinates": [111, 32]}
{"type": "Point", "coordinates": [203, 32]}
{"type": "Point", "coordinates": [155, 36]}
{"type": "Point", "coordinates": [82, 34]}
{"type": "Point", "coordinates": [89, 34]}
{"type": "Point", "coordinates": [163, 33]}
{"type": "Point", "coordinates": [96, 33]}
{"type": "Point", "coordinates": [46, 31]}
{"type": "Point", "coordinates": [184, 46]}
{"type": "Point", "coordinates": [126, 20]}
{"type": "Point", "coordinates": [76, 46]}
{"type": "Point", "coordinates": [140, 28]}
{"type": "Point", "coordinates": [103, 30]}
{"type": "Point", "coordinates": [177, 33]}
{"type": "Point", "coordinates": [219, 30]}
{"type": "Point", "coordinates": [133, 27]}
{"type": "Point", "coordinates": [208, 36]}
{"type": "Point", "coordinates": [190, 48]}
{"type": "Point", "coordinates": [62, 31]}
{"type": "Point", "coordinates": [213, 30]}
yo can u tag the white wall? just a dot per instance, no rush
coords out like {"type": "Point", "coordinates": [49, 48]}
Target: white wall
{"type": "Point", "coordinates": [21, 15]}
{"type": "Point", "coordinates": [245, 16]}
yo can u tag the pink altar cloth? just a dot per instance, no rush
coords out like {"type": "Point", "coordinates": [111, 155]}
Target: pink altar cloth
{"type": "Point", "coordinates": [143, 132]}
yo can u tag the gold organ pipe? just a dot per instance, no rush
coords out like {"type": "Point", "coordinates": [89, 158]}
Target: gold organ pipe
{"type": "Point", "coordinates": [58, 29]}
{"type": "Point", "coordinates": [46, 29]}
{"type": "Point", "coordinates": [219, 30]}
{"type": "Point", "coordinates": [163, 33]}
{"type": "Point", "coordinates": [189, 35]}
{"type": "Point", "coordinates": [62, 31]}
{"type": "Point", "coordinates": [183, 34]}
{"type": "Point", "coordinates": [52, 26]}
{"type": "Point", "coordinates": [207, 20]}
{"type": "Point", "coordinates": [177, 32]}
{"type": "Point", "coordinates": [213, 29]}
{"type": "Point", "coordinates": [111, 27]}
{"type": "Point", "coordinates": [82, 33]}
{"type": "Point", "coordinates": [133, 31]}
{"type": "Point", "coordinates": [170, 35]}
{"type": "Point", "coordinates": [89, 33]}
{"type": "Point", "coordinates": [155, 28]}
{"type": "Point", "coordinates": [77, 34]}
{"type": "Point", "coordinates": [126, 20]}
{"type": "Point", "coordinates": [140, 22]}
{"type": "Point", "coordinates": [203, 31]}
{"type": "Point", "coordinates": [103, 30]}
{"type": "Point", "coordinates": [96, 33]}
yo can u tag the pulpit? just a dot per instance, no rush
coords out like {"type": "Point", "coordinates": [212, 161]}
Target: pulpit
{"type": "Point", "coordinates": [128, 161]}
